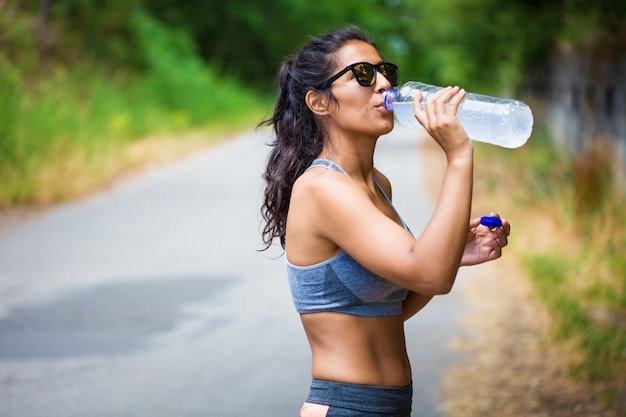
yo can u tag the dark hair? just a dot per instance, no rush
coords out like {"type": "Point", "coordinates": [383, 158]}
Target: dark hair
{"type": "Point", "coordinates": [298, 133]}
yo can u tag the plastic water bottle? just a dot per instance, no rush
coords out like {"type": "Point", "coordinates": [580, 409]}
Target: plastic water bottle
{"type": "Point", "coordinates": [499, 121]}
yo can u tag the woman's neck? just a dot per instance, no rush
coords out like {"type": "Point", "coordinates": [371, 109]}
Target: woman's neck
{"type": "Point", "coordinates": [354, 155]}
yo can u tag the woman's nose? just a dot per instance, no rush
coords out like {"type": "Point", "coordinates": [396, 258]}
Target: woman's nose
{"type": "Point", "coordinates": [382, 83]}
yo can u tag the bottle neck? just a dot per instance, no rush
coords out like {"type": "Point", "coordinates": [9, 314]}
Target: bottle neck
{"type": "Point", "coordinates": [390, 97]}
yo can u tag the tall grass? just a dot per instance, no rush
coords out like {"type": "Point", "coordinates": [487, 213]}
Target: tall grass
{"type": "Point", "coordinates": [570, 228]}
{"type": "Point", "coordinates": [66, 129]}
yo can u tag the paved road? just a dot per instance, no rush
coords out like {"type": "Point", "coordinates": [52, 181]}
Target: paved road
{"type": "Point", "coordinates": [150, 299]}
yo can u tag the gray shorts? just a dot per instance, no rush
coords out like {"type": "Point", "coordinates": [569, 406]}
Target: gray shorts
{"type": "Point", "coordinates": [351, 400]}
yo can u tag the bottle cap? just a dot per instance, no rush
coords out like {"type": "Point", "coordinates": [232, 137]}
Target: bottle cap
{"type": "Point", "coordinates": [390, 97]}
{"type": "Point", "coordinates": [491, 221]}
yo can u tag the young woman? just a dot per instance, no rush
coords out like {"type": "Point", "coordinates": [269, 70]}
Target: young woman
{"type": "Point", "coordinates": [355, 270]}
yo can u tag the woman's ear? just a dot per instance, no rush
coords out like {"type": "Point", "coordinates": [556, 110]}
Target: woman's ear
{"type": "Point", "coordinates": [317, 102]}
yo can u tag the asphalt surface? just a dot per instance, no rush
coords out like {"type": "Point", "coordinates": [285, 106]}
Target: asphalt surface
{"type": "Point", "coordinates": [151, 299]}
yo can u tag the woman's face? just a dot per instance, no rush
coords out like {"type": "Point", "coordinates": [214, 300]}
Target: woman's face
{"type": "Point", "coordinates": [360, 110]}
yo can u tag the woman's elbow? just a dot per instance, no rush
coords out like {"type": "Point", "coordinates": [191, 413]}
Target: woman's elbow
{"type": "Point", "coordinates": [435, 277]}
{"type": "Point", "coordinates": [441, 289]}
{"type": "Point", "coordinates": [440, 284]}
{"type": "Point", "coordinates": [444, 289]}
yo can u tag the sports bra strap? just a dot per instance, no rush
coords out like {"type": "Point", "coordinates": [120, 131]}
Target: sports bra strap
{"type": "Point", "coordinates": [326, 163]}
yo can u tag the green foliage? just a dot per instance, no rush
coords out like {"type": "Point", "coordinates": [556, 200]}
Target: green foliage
{"type": "Point", "coordinates": [60, 123]}
{"type": "Point", "coordinates": [481, 44]}
{"type": "Point", "coordinates": [580, 17]}
{"type": "Point", "coordinates": [100, 31]}
{"type": "Point", "coordinates": [250, 38]}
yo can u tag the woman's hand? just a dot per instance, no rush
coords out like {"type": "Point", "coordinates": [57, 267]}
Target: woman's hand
{"type": "Point", "coordinates": [485, 244]}
{"type": "Point", "coordinates": [438, 116]}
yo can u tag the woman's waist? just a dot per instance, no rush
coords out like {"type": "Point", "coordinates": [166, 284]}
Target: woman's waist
{"type": "Point", "coordinates": [358, 350]}
{"type": "Point", "coordinates": [391, 372]}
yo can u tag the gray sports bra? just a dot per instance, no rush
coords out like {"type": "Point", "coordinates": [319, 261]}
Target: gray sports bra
{"type": "Point", "coordinates": [340, 284]}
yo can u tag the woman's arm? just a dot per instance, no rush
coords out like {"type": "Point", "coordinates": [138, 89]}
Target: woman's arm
{"type": "Point", "coordinates": [341, 212]}
{"type": "Point", "coordinates": [413, 303]}
{"type": "Point", "coordinates": [483, 245]}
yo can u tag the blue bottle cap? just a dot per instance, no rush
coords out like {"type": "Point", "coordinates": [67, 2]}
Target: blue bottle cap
{"type": "Point", "coordinates": [491, 221]}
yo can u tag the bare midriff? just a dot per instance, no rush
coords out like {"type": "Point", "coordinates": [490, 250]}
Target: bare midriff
{"type": "Point", "coordinates": [358, 350]}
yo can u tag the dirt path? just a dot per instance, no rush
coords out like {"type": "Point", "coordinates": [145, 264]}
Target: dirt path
{"type": "Point", "coordinates": [512, 369]}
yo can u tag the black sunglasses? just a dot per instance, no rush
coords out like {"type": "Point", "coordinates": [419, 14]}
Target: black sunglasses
{"type": "Point", "coordinates": [365, 74]}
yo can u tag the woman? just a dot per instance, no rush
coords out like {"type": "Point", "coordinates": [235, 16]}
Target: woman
{"type": "Point", "coordinates": [355, 270]}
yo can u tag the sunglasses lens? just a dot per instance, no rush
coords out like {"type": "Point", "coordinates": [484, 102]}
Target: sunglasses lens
{"type": "Point", "coordinates": [365, 74]}
{"type": "Point", "coordinates": [390, 71]}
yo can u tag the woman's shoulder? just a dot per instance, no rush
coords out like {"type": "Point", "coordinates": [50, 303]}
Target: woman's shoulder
{"type": "Point", "coordinates": [320, 180]}
{"type": "Point", "coordinates": [327, 192]}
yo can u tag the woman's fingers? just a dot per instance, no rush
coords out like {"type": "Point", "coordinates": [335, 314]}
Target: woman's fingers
{"type": "Point", "coordinates": [418, 110]}
{"type": "Point", "coordinates": [438, 116]}
{"type": "Point", "coordinates": [444, 102]}
{"type": "Point", "coordinates": [441, 108]}
{"type": "Point", "coordinates": [436, 106]}
{"type": "Point", "coordinates": [455, 101]}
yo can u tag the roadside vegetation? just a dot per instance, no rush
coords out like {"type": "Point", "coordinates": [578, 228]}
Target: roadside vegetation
{"type": "Point", "coordinates": [69, 125]}
{"type": "Point", "coordinates": [569, 226]}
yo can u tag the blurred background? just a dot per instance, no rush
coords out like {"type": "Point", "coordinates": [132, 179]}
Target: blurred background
{"type": "Point", "coordinates": [90, 90]}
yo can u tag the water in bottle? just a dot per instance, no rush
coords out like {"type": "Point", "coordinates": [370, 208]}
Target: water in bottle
{"type": "Point", "coordinates": [499, 121]}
